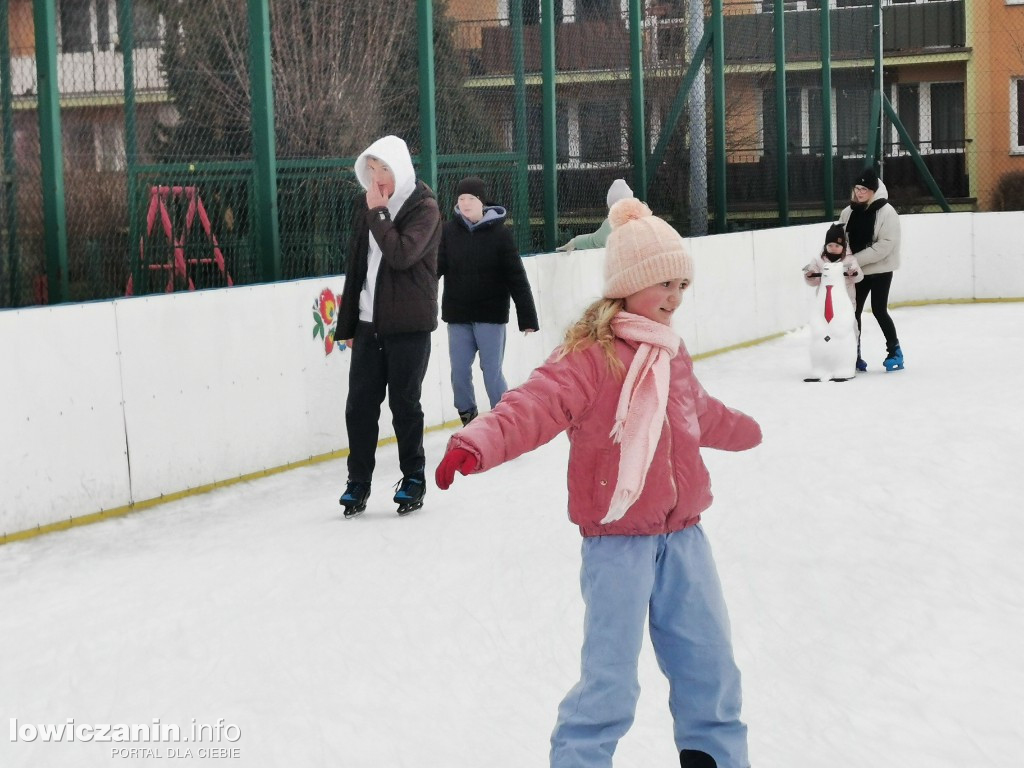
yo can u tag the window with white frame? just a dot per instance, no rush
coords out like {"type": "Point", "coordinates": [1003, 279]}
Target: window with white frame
{"type": "Point", "coordinates": [90, 26]}
{"type": "Point", "coordinates": [591, 133]}
{"type": "Point", "coordinates": [1017, 115]}
{"type": "Point", "coordinates": [933, 114]}
{"type": "Point", "coordinates": [108, 139]}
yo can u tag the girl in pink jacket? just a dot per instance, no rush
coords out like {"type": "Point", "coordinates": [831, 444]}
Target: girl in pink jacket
{"type": "Point", "coordinates": [622, 385]}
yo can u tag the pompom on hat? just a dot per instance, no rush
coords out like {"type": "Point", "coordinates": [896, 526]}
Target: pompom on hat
{"type": "Point", "coordinates": [642, 250]}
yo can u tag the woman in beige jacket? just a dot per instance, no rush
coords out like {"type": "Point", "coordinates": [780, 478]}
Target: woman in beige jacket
{"type": "Point", "coordinates": [873, 231]}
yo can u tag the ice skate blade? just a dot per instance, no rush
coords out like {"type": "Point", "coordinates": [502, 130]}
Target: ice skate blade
{"type": "Point", "coordinates": [891, 368]}
{"type": "Point", "coordinates": [351, 512]}
{"type": "Point", "coordinates": [838, 379]}
{"type": "Point", "coordinates": [405, 509]}
{"type": "Point", "coordinates": [811, 379]}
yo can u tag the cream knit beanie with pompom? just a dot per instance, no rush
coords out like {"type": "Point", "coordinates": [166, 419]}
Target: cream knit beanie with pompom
{"type": "Point", "coordinates": [642, 250]}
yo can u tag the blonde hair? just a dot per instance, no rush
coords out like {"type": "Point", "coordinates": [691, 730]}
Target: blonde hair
{"type": "Point", "coordinates": [595, 327]}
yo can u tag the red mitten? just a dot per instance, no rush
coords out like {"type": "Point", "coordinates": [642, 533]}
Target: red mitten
{"type": "Point", "coordinates": [456, 459]}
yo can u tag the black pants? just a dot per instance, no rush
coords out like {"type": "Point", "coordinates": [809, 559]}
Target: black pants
{"type": "Point", "coordinates": [392, 363]}
{"type": "Point", "coordinates": [878, 286]}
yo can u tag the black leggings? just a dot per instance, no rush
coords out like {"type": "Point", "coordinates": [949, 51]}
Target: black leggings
{"type": "Point", "coordinates": [878, 287]}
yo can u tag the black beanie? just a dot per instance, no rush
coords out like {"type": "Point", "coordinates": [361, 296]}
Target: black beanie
{"type": "Point", "coordinates": [472, 185]}
{"type": "Point", "coordinates": [836, 234]}
{"type": "Point", "coordinates": [868, 178]}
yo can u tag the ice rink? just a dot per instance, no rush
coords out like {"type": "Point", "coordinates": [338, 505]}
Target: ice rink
{"type": "Point", "coordinates": [872, 553]}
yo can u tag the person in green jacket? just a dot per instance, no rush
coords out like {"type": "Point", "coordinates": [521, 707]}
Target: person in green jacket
{"type": "Point", "coordinates": [619, 190]}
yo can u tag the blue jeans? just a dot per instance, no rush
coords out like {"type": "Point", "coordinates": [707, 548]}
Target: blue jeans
{"type": "Point", "coordinates": [464, 341]}
{"type": "Point", "coordinates": [671, 581]}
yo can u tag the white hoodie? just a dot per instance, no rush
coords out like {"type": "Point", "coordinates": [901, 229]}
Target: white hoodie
{"type": "Point", "coordinates": [394, 153]}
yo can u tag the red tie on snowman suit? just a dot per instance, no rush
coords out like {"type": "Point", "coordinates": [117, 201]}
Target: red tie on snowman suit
{"type": "Point", "coordinates": [829, 314]}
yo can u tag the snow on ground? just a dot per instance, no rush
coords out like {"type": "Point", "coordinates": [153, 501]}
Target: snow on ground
{"type": "Point", "coordinates": [870, 551]}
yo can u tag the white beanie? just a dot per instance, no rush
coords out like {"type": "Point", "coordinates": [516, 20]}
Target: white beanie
{"type": "Point", "coordinates": [642, 250]}
{"type": "Point", "coordinates": [619, 190]}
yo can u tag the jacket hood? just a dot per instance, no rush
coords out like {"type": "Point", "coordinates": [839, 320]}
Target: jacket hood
{"type": "Point", "coordinates": [393, 152]}
{"type": "Point", "coordinates": [492, 215]}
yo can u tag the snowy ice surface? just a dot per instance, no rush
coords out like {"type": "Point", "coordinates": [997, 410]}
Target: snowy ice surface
{"type": "Point", "coordinates": [872, 553]}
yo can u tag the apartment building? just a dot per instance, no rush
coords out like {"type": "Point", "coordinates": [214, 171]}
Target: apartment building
{"type": "Point", "coordinates": [953, 71]}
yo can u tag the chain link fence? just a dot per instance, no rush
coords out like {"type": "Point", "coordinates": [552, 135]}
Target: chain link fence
{"type": "Point", "coordinates": [160, 181]}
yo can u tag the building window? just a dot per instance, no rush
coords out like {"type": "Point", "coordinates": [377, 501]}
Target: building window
{"type": "Point", "coordinates": [1017, 115]}
{"type": "Point", "coordinates": [90, 26]}
{"type": "Point", "coordinates": [853, 110]}
{"type": "Point", "coordinates": [804, 128]}
{"type": "Point", "coordinates": [75, 19]}
{"type": "Point", "coordinates": [109, 143]}
{"type": "Point", "coordinates": [600, 132]}
{"type": "Point", "coordinates": [947, 117]}
{"type": "Point", "coordinates": [933, 114]}
{"type": "Point", "coordinates": [908, 108]}
{"type": "Point", "coordinates": [534, 137]}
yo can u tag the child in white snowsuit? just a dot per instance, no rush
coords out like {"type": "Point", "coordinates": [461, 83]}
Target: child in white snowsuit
{"type": "Point", "coordinates": [622, 386]}
{"type": "Point", "coordinates": [835, 249]}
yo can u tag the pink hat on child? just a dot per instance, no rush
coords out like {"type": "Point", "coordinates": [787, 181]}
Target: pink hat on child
{"type": "Point", "coordinates": [642, 250]}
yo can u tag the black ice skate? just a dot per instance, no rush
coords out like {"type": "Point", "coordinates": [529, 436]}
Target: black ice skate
{"type": "Point", "coordinates": [410, 492]}
{"type": "Point", "coordinates": [467, 416]}
{"type": "Point", "coordinates": [694, 758]}
{"type": "Point", "coordinates": [354, 498]}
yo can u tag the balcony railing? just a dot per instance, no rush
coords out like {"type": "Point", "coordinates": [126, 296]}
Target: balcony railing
{"type": "Point", "coordinates": [749, 37]}
{"type": "Point", "coordinates": [906, 29]}
{"type": "Point", "coordinates": [90, 72]}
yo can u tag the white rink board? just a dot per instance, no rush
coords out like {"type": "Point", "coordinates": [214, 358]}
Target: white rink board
{"type": "Point", "coordinates": [214, 383]}
{"type": "Point", "coordinates": [998, 250]}
{"type": "Point", "coordinates": [62, 437]}
{"type": "Point", "coordinates": [724, 291]}
{"type": "Point", "coordinates": [225, 383]}
{"type": "Point", "coordinates": [935, 258]}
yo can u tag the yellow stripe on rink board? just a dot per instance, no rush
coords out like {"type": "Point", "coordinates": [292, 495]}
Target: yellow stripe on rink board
{"type": "Point", "coordinates": [107, 514]}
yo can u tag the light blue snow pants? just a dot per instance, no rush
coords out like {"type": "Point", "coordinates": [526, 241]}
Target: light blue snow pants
{"type": "Point", "coordinates": [671, 580]}
{"type": "Point", "coordinates": [464, 341]}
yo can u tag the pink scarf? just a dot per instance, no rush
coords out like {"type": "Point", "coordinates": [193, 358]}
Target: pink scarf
{"type": "Point", "coordinates": [640, 414]}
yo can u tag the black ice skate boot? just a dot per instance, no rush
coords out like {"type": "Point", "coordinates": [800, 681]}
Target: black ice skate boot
{"type": "Point", "coordinates": [468, 416]}
{"type": "Point", "coordinates": [861, 364]}
{"type": "Point", "coordinates": [410, 492]}
{"type": "Point", "coordinates": [694, 758]}
{"type": "Point", "coordinates": [354, 498]}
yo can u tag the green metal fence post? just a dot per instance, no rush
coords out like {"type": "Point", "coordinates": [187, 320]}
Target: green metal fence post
{"type": "Point", "coordinates": [550, 129]}
{"type": "Point", "coordinates": [51, 153]}
{"type": "Point", "coordinates": [781, 124]}
{"type": "Point", "coordinates": [428, 98]}
{"type": "Point", "coordinates": [876, 142]}
{"type": "Point", "coordinates": [522, 214]}
{"type": "Point", "coordinates": [263, 147]}
{"type": "Point", "coordinates": [126, 34]}
{"type": "Point", "coordinates": [826, 112]}
{"type": "Point", "coordinates": [718, 77]}
{"type": "Point", "coordinates": [9, 184]}
{"type": "Point", "coordinates": [636, 75]}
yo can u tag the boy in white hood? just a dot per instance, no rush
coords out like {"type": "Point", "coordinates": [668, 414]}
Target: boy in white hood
{"type": "Point", "coordinates": [387, 313]}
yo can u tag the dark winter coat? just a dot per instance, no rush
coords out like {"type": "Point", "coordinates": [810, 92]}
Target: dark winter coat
{"type": "Point", "coordinates": [482, 270]}
{"type": "Point", "coordinates": [406, 292]}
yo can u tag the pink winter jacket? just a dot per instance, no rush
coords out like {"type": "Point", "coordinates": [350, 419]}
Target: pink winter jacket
{"type": "Point", "coordinates": [579, 394]}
